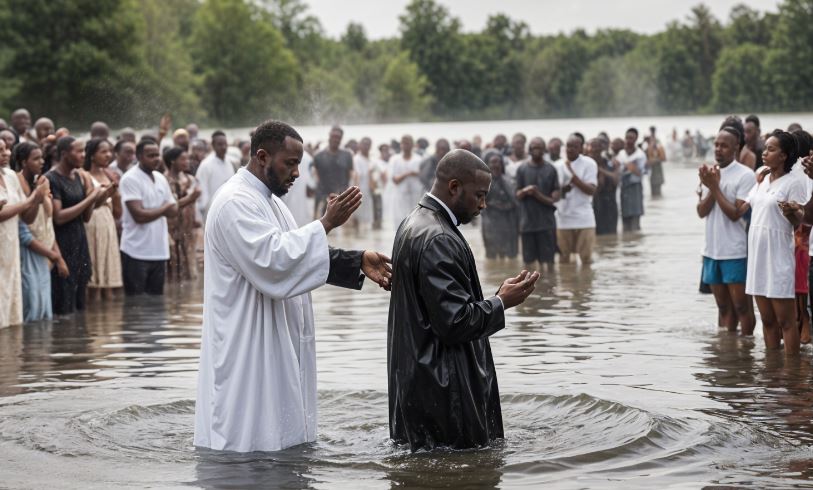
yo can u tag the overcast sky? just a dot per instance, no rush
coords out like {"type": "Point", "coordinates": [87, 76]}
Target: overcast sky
{"type": "Point", "coordinates": [380, 17]}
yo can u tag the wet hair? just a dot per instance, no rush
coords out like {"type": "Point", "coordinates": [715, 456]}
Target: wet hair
{"type": "Point", "coordinates": [172, 154]}
{"type": "Point", "coordinates": [20, 154]}
{"type": "Point", "coordinates": [789, 146]}
{"type": "Point", "coordinates": [736, 123]}
{"type": "Point", "coordinates": [632, 130]}
{"type": "Point", "coordinates": [581, 136]}
{"type": "Point", "coordinates": [91, 148]}
{"type": "Point", "coordinates": [459, 164]}
{"type": "Point", "coordinates": [752, 118]}
{"type": "Point", "coordinates": [271, 135]}
{"type": "Point", "coordinates": [63, 145]}
{"type": "Point", "coordinates": [218, 133]}
{"type": "Point", "coordinates": [803, 142]}
{"type": "Point", "coordinates": [732, 131]}
{"type": "Point", "coordinates": [145, 142]}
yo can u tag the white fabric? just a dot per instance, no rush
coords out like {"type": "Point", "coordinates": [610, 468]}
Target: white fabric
{"type": "Point", "coordinates": [576, 208]}
{"type": "Point", "coordinates": [362, 166]}
{"type": "Point", "coordinates": [511, 167]}
{"type": "Point", "coordinates": [771, 261]}
{"type": "Point", "coordinates": [257, 374]}
{"type": "Point", "coordinates": [297, 200]}
{"type": "Point", "coordinates": [799, 172]}
{"type": "Point", "coordinates": [211, 174]}
{"type": "Point", "coordinates": [409, 191]}
{"type": "Point", "coordinates": [144, 241]}
{"type": "Point", "coordinates": [638, 157]}
{"type": "Point", "coordinates": [726, 239]}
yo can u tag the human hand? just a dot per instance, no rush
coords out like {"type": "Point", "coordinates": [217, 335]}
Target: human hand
{"type": "Point", "coordinates": [762, 173]}
{"type": "Point", "coordinates": [340, 208]}
{"type": "Point", "coordinates": [62, 268]}
{"type": "Point", "coordinates": [378, 267]}
{"type": "Point", "coordinates": [43, 190]}
{"type": "Point", "coordinates": [166, 123]}
{"type": "Point", "coordinates": [515, 290]}
{"type": "Point", "coordinates": [789, 208]}
{"type": "Point", "coordinates": [195, 193]}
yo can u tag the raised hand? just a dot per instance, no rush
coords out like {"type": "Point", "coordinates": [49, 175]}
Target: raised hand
{"type": "Point", "coordinates": [515, 290]}
{"type": "Point", "coordinates": [378, 268]}
{"type": "Point", "coordinates": [340, 208]}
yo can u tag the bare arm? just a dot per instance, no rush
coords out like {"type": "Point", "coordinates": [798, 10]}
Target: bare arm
{"type": "Point", "coordinates": [141, 215]}
{"type": "Point", "coordinates": [11, 210]}
{"type": "Point", "coordinates": [733, 211]}
{"type": "Point", "coordinates": [588, 189]}
{"type": "Point", "coordinates": [705, 206]}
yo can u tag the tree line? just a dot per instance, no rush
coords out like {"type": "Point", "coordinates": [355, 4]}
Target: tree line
{"type": "Point", "coordinates": [234, 62]}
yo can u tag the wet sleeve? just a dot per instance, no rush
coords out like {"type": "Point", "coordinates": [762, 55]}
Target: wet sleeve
{"type": "Point", "coordinates": [345, 268]}
{"type": "Point", "coordinates": [455, 315]}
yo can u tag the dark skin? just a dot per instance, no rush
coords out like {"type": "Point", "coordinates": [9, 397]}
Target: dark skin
{"type": "Point", "coordinates": [148, 162]}
{"type": "Point", "coordinates": [178, 170]}
{"type": "Point", "coordinates": [280, 169]}
{"type": "Point", "coordinates": [630, 140]}
{"type": "Point", "coordinates": [220, 145]}
{"type": "Point", "coordinates": [594, 149]}
{"type": "Point", "coordinates": [573, 149]}
{"type": "Point", "coordinates": [69, 166]}
{"type": "Point", "coordinates": [466, 198]}
{"type": "Point", "coordinates": [733, 305]}
{"type": "Point", "coordinates": [537, 151]}
{"type": "Point", "coordinates": [28, 208]}
{"type": "Point", "coordinates": [406, 150]}
{"type": "Point", "coordinates": [98, 169]}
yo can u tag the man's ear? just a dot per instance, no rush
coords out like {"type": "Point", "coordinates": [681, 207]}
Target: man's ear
{"type": "Point", "coordinates": [454, 186]}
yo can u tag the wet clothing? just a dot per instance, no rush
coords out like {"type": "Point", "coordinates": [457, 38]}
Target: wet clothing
{"type": "Point", "coordinates": [605, 206]}
{"type": "Point", "coordinates": [11, 294]}
{"type": "Point", "coordinates": [538, 246]}
{"type": "Point", "coordinates": [442, 382]}
{"type": "Point", "coordinates": [333, 174]}
{"type": "Point", "coordinates": [536, 215]}
{"type": "Point", "coordinates": [632, 191]}
{"type": "Point", "coordinates": [499, 224]}
{"type": "Point", "coordinates": [68, 293]}
{"type": "Point", "coordinates": [727, 271]}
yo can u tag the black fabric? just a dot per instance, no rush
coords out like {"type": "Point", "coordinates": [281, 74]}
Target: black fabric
{"type": "Point", "coordinates": [345, 268]}
{"type": "Point", "coordinates": [427, 171]}
{"type": "Point", "coordinates": [68, 294]}
{"type": "Point", "coordinates": [605, 205]}
{"type": "Point", "coordinates": [500, 220]}
{"type": "Point", "coordinates": [539, 246]}
{"type": "Point", "coordinates": [535, 215]}
{"type": "Point", "coordinates": [143, 276]}
{"type": "Point", "coordinates": [441, 378]}
{"type": "Point", "coordinates": [333, 170]}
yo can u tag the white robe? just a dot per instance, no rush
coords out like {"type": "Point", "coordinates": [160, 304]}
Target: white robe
{"type": "Point", "coordinates": [297, 200]}
{"type": "Point", "coordinates": [257, 375]}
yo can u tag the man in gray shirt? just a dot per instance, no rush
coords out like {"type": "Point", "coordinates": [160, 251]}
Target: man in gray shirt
{"type": "Point", "coordinates": [334, 169]}
{"type": "Point", "coordinates": [537, 191]}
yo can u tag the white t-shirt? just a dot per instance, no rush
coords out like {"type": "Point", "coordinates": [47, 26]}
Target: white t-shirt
{"type": "Point", "coordinates": [638, 157]}
{"type": "Point", "coordinates": [576, 208]}
{"type": "Point", "coordinates": [726, 239]}
{"type": "Point", "coordinates": [771, 259]}
{"type": "Point", "coordinates": [145, 241]}
{"type": "Point", "coordinates": [212, 173]}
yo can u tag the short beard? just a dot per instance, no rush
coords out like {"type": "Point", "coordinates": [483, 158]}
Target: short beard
{"type": "Point", "coordinates": [277, 187]}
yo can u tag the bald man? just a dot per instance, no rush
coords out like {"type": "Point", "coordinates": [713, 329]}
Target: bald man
{"type": "Point", "coordinates": [442, 382]}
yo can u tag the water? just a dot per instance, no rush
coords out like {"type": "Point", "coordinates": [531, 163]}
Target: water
{"type": "Point", "coordinates": [610, 376]}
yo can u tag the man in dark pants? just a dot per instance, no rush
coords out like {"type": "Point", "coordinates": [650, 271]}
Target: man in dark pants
{"type": "Point", "coordinates": [145, 239]}
{"type": "Point", "coordinates": [442, 382]}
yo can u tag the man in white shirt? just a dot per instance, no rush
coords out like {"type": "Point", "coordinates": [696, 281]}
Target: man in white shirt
{"type": "Point", "coordinates": [213, 171]}
{"type": "Point", "coordinates": [145, 238]}
{"type": "Point", "coordinates": [576, 228]}
{"type": "Point", "coordinates": [725, 254]}
{"type": "Point", "coordinates": [257, 376]}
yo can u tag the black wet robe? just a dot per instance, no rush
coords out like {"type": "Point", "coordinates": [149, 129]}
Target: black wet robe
{"type": "Point", "coordinates": [442, 382]}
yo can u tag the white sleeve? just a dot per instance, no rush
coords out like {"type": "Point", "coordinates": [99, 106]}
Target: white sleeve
{"type": "Point", "coordinates": [798, 192]}
{"type": "Point", "coordinates": [747, 182]}
{"type": "Point", "coordinates": [278, 264]}
{"type": "Point", "coordinates": [590, 174]}
{"type": "Point", "coordinates": [129, 190]}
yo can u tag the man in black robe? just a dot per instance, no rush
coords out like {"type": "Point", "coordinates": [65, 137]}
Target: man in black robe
{"type": "Point", "coordinates": [442, 383]}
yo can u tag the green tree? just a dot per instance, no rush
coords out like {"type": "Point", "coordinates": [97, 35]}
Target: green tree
{"type": "Point", "coordinates": [354, 37]}
{"type": "Point", "coordinates": [403, 88]}
{"type": "Point", "coordinates": [553, 75]}
{"type": "Point", "coordinates": [788, 62]}
{"type": "Point", "coordinates": [75, 61]}
{"type": "Point", "coordinates": [247, 72]}
{"type": "Point", "coordinates": [740, 82]}
{"type": "Point", "coordinates": [746, 25]}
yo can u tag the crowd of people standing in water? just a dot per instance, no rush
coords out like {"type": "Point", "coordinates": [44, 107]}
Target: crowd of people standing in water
{"type": "Point", "coordinates": [82, 218]}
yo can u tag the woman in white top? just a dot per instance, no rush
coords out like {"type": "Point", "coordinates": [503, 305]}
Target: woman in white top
{"type": "Point", "coordinates": [771, 262]}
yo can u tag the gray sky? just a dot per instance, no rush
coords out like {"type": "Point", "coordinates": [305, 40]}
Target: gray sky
{"type": "Point", "coordinates": [380, 17]}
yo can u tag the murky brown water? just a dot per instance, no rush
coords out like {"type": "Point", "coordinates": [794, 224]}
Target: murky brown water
{"type": "Point", "coordinates": [611, 376]}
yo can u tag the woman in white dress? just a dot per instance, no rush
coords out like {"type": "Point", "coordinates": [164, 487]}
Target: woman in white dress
{"type": "Point", "coordinates": [775, 213]}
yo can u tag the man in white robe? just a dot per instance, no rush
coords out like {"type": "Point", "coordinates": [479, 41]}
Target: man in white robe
{"type": "Point", "coordinates": [257, 375]}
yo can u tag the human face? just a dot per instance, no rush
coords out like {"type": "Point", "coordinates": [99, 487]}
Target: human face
{"type": "Point", "coordinates": [44, 129]}
{"type": "Point", "coordinates": [126, 155]}
{"type": "Point", "coordinates": [495, 164]}
{"type": "Point", "coordinates": [555, 149]}
{"type": "Point", "coordinates": [5, 154]}
{"type": "Point", "coordinates": [76, 157]}
{"type": "Point", "coordinates": [33, 164]}
{"type": "Point", "coordinates": [8, 138]}
{"type": "Point", "coordinates": [335, 139]}
{"type": "Point", "coordinates": [617, 145]}
{"type": "Point", "coordinates": [518, 145]}
{"type": "Point", "coordinates": [441, 148]}
{"type": "Point", "coordinates": [364, 146]}
{"type": "Point", "coordinates": [406, 145]}
{"type": "Point", "coordinates": [181, 164]}
{"type": "Point", "coordinates": [21, 121]}
{"type": "Point", "coordinates": [181, 141]}
{"type": "Point", "coordinates": [385, 152]}
{"type": "Point", "coordinates": [537, 149]}
{"type": "Point", "coordinates": [469, 198]}
{"type": "Point", "coordinates": [150, 157]}
{"type": "Point", "coordinates": [573, 148]}
{"type": "Point", "coordinates": [103, 155]}
{"type": "Point", "coordinates": [630, 139]}
{"type": "Point", "coordinates": [500, 141]}
{"type": "Point", "coordinates": [220, 145]}
{"type": "Point", "coordinates": [725, 148]}
{"type": "Point", "coordinates": [594, 148]}
{"type": "Point", "coordinates": [772, 156]}
{"type": "Point", "coordinates": [282, 168]}
{"type": "Point", "coordinates": [751, 133]}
